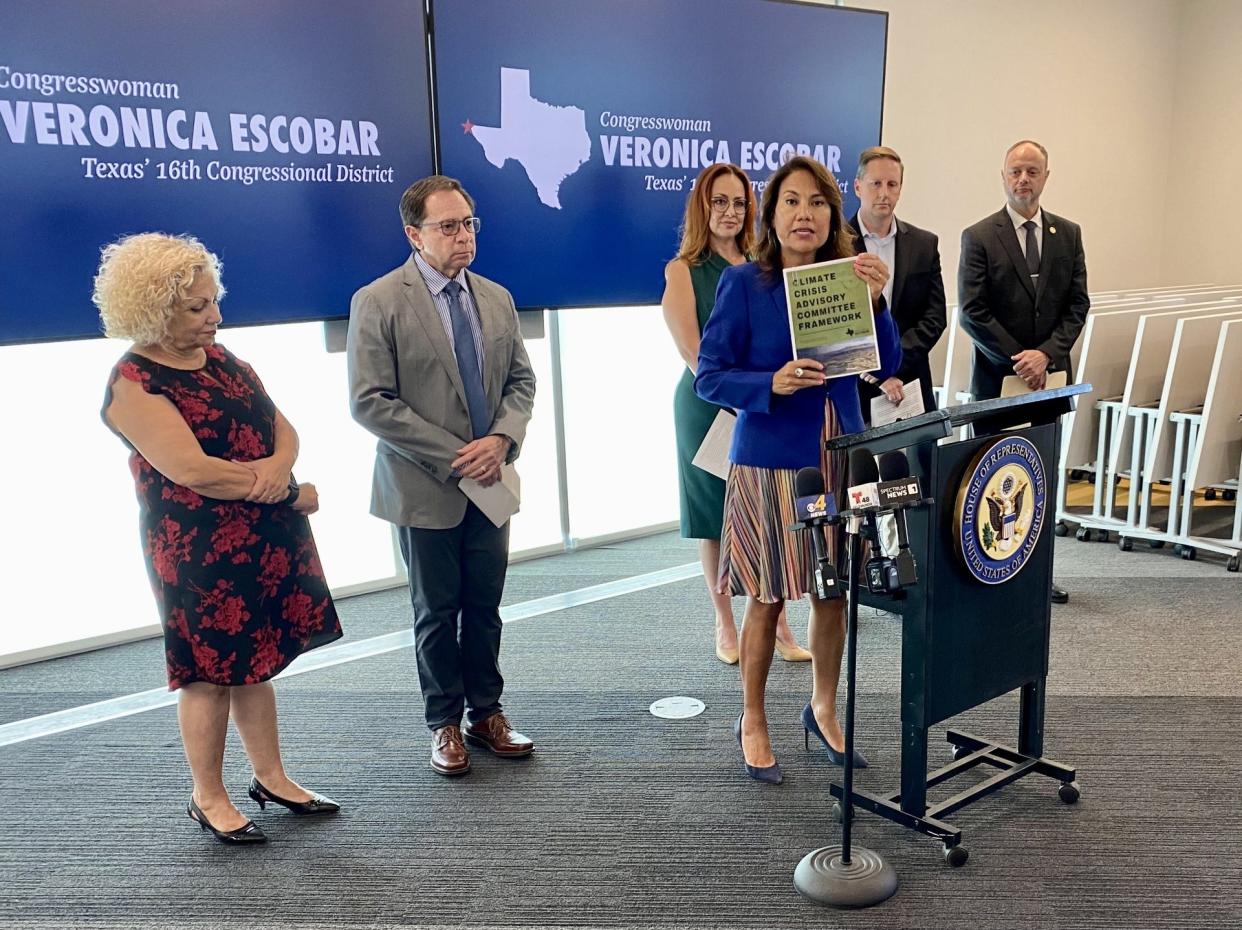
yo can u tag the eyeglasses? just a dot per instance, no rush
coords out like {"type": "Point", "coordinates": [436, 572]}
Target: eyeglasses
{"type": "Point", "coordinates": [450, 227]}
{"type": "Point", "coordinates": [722, 205]}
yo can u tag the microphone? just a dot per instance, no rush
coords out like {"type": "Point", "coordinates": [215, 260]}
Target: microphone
{"type": "Point", "coordinates": [898, 490]}
{"type": "Point", "coordinates": [863, 493]}
{"type": "Point", "coordinates": [816, 509]}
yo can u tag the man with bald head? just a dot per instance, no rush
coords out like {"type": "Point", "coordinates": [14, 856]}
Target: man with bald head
{"type": "Point", "coordinates": [1022, 284]}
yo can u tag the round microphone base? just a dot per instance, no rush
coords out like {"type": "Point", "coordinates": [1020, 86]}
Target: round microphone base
{"type": "Point", "coordinates": [825, 878]}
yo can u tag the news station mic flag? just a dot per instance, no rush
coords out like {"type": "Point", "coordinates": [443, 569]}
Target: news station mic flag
{"type": "Point", "coordinates": [817, 509]}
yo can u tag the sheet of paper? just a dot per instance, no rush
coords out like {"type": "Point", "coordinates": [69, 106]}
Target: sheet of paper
{"type": "Point", "coordinates": [713, 454]}
{"type": "Point", "coordinates": [1013, 386]}
{"type": "Point", "coordinates": [501, 500]}
{"type": "Point", "coordinates": [884, 411]}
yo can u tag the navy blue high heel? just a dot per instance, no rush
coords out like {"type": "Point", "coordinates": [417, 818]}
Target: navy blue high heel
{"type": "Point", "coordinates": [771, 775]}
{"type": "Point", "coordinates": [809, 726]}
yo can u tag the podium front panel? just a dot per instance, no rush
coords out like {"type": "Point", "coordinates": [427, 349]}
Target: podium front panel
{"type": "Point", "coordinates": [987, 607]}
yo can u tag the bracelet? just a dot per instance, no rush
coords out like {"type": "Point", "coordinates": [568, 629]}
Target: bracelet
{"type": "Point", "coordinates": [294, 491]}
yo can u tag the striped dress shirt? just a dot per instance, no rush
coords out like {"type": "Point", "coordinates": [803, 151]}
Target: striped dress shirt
{"type": "Point", "coordinates": [436, 283]}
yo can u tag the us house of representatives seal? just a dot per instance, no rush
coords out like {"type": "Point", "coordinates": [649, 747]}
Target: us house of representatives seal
{"type": "Point", "coordinates": [1000, 511]}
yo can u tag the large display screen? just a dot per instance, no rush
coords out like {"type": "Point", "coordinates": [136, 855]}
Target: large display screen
{"type": "Point", "coordinates": [281, 133]}
{"type": "Point", "coordinates": [579, 125]}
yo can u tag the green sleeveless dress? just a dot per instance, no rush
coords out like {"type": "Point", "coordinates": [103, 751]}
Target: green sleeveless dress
{"type": "Point", "coordinates": [702, 494]}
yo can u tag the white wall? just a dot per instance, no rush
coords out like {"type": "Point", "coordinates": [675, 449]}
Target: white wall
{"type": "Point", "coordinates": [1093, 80]}
{"type": "Point", "coordinates": [1200, 182]}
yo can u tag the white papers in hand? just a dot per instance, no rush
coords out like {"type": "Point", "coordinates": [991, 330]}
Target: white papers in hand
{"type": "Point", "coordinates": [713, 454]}
{"type": "Point", "coordinates": [884, 411]}
{"type": "Point", "coordinates": [500, 501]}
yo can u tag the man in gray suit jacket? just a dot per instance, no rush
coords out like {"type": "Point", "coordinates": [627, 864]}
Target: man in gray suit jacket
{"type": "Point", "coordinates": [1022, 285]}
{"type": "Point", "coordinates": [438, 372]}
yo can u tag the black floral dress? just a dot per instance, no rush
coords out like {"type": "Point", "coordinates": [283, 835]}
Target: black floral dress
{"type": "Point", "coordinates": [239, 585]}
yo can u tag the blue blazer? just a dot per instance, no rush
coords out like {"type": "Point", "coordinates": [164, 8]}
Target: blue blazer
{"type": "Point", "coordinates": [745, 341]}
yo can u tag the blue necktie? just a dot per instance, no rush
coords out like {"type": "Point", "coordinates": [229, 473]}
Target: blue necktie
{"type": "Point", "coordinates": [467, 362]}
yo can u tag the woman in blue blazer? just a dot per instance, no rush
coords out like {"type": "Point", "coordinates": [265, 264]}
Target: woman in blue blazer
{"type": "Point", "coordinates": [786, 408]}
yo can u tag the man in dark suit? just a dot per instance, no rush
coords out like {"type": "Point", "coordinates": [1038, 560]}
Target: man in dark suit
{"type": "Point", "coordinates": [438, 372]}
{"type": "Point", "coordinates": [1022, 285]}
{"type": "Point", "coordinates": [915, 291]}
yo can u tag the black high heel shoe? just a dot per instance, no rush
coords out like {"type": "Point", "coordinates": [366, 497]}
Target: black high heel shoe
{"type": "Point", "coordinates": [771, 775]}
{"type": "Point", "coordinates": [810, 725]}
{"type": "Point", "coordinates": [245, 835]}
{"type": "Point", "coordinates": [318, 804]}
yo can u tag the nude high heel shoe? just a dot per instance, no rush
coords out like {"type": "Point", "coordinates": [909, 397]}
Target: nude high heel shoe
{"type": "Point", "coordinates": [792, 652]}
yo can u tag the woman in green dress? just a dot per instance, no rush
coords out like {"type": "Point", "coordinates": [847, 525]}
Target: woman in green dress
{"type": "Point", "coordinates": [718, 231]}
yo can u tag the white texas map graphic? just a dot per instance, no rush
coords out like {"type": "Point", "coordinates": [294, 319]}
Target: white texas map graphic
{"type": "Point", "coordinates": [550, 142]}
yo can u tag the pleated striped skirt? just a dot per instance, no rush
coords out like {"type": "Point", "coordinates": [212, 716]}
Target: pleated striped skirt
{"type": "Point", "coordinates": [759, 556]}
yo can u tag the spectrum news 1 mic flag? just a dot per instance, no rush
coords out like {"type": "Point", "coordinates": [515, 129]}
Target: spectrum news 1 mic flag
{"type": "Point", "coordinates": [280, 133]}
{"type": "Point", "coordinates": [579, 125]}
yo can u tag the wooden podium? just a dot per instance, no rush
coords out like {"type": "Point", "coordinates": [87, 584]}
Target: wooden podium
{"type": "Point", "coordinates": [971, 634]}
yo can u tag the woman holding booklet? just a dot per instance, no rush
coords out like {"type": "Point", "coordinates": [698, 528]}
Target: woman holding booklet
{"type": "Point", "coordinates": [718, 231]}
{"type": "Point", "coordinates": [786, 408]}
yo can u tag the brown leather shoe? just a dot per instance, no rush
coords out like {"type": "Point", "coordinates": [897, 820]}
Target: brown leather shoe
{"type": "Point", "coordinates": [496, 734]}
{"type": "Point", "coordinates": [449, 755]}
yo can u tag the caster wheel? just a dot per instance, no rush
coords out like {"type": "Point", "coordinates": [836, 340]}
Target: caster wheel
{"type": "Point", "coordinates": [1230, 495]}
{"type": "Point", "coordinates": [1068, 792]}
{"type": "Point", "coordinates": [1061, 529]}
{"type": "Point", "coordinates": [956, 856]}
{"type": "Point", "coordinates": [1125, 545]}
{"type": "Point", "coordinates": [1232, 564]}
{"type": "Point", "coordinates": [1178, 548]}
{"type": "Point", "coordinates": [1189, 553]}
{"type": "Point", "coordinates": [1103, 537]}
{"type": "Point", "coordinates": [838, 812]}
{"type": "Point", "coordinates": [1209, 494]}
{"type": "Point", "coordinates": [1156, 543]}
{"type": "Point", "coordinates": [1083, 534]}
{"type": "Point", "coordinates": [1091, 477]}
{"type": "Point", "coordinates": [1077, 474]}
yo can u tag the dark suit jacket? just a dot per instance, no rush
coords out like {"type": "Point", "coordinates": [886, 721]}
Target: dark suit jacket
{"type": "Point", "coordinates": [918, 307]}
{"type": "Point", "coordinates": [1004, 313]}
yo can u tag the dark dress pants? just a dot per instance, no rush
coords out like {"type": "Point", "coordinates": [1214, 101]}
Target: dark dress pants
{"type": "Point", "coordinates": [456, 579]}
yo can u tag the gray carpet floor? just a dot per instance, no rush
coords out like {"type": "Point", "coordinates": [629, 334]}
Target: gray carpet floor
{"type": "Point", "coordinates": [624, 820]}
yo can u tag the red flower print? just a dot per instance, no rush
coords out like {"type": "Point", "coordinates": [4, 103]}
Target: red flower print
{"type": "Point", "coordinates": [210, 667]}
{"type": "Point", "coordinates": [275, 569]}
{"type": "Point", "coordinates": [236, 530]}
{"type": "Point", "coordinates": [131, 372]}
{"type": "Point", "coordinates": [194, 406]}
{"type": "Point", "coordinates": [246, 442]}
{"type": "Point", "coordinates": [180, 494]}
{"type": "Point", "coordinates": [266, 657]}
{"type": "Point", "coordinates": [229, 616]}
{"type": "Point", "coordinates": [169, 548]}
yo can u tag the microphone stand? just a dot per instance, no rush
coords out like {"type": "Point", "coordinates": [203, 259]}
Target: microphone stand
{"type": "Point", "coordinates": [843, 875]}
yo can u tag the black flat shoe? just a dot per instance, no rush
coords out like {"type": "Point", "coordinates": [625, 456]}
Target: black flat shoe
{"type": "Point", "coordinates": [318, 804]}
{"type": "Point", "coordinates": [245, 835]}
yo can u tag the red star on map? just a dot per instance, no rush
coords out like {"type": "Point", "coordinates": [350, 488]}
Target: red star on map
{"type": "Point", "coordinates": [467, 127]}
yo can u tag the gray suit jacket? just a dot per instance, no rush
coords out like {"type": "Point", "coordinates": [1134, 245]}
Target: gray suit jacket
{"type": "Point", "coordinates": [405, 388]}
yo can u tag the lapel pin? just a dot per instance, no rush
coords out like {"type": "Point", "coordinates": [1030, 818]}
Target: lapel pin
{"type": "Point", "coordinates": [1052, 229]}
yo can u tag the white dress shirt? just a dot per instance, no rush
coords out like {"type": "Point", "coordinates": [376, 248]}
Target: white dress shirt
{"type": "Point", "coordinates": [885, 247]}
